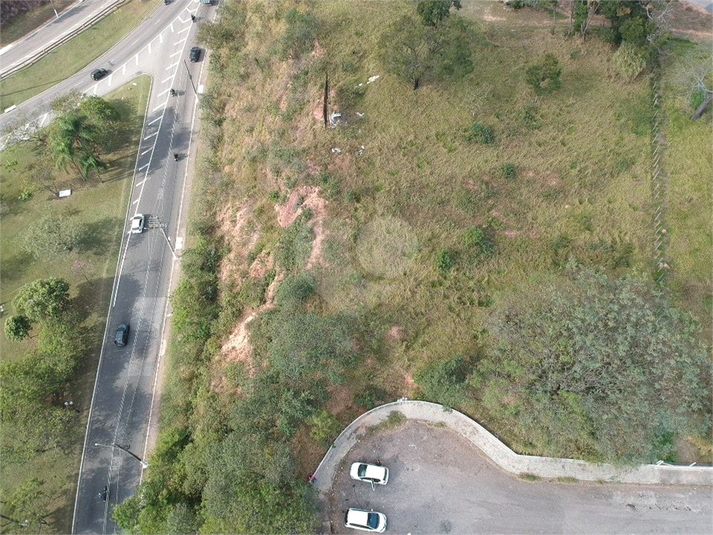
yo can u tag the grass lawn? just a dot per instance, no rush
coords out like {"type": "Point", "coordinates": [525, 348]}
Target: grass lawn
{"type": "Point", "coordinates": [25, 23]}
{"type": "Point", "coordinates": [74, 55]}
{"type": "Point", "coordinates": [102, 208]}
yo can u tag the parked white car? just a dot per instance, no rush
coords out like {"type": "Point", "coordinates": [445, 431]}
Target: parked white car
{"type": "Point", "coordinates": [365, 520]}
{"type": "Point", "coordinates": [370, 473]}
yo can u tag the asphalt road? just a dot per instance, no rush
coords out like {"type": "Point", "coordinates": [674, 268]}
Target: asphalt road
{"type": "Point", "coordinates": [124, 403]}
{"type": "Point", "coordinates": [124, 395]}
{"type": "Point", "coordinates": [441, 483]}
{"type": "Point", "coordinates": [68, 21]}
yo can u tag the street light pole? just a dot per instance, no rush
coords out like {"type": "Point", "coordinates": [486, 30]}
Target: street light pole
{"type": "Point", "coordinates": [190, 77]}
{"type": "Point", "coordinates": [168, 240]}
{"type": "Point", "coordinates": [54, 9]}
{"type": "Point", "coordinates": [122, 448]}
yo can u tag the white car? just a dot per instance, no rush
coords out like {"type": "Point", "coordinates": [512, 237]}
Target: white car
{"type": "Point", "coordinates": [365, 520]}
{"type": "Point", "coordinates": [137, 224]}
{"type": "Point", "coordinates": [370, 473]}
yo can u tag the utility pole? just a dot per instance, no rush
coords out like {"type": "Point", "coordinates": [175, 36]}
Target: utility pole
{"type": "Point", "coordinates": [54, 9]}
{"type": "Point", "coordinates": [122, 448]}
{"type": "Point", "coordinates": [190, 77]}
{"type": "Point", "coordinates": [156, 222]}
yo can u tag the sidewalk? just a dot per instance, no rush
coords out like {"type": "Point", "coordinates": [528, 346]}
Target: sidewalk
{"type": "Point", "coordinates": [501, 455]}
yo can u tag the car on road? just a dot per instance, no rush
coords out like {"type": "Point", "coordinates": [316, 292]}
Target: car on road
{"type": "Point", "coordinates": [122, 335]}
{"type": "Point", "coordinates": [371, 473]}
{"type": "Point", "coordinates": [98, 74]}
{"type": "Point", "coordinates": [195, 54]}
{"type": "Point", "coordinates": [137, 224]}
{"type": "Point", "coordinates": [365, 520]}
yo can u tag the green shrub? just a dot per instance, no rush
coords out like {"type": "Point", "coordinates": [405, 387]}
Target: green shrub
{"type": "Point", "coordinates": [544, 77]}
{"type": "Point", "coordinates": [325, 427]}
{"type": "Point", "coordinates": [445, 381]}
{"type": "Point", "coordinates": [530, 117]}
{"type": "Point", "coordinates": [480, 133]}
{"type": "Point", "coordinates": [481, 240]}
{"type": "Point", "coordinates": [445, 261]}
{"type": "Point", "coordinates": [509, 171]}
{"type": "Point", "coordinates": [372, 396]}
{"type": "Point", "coordinates": [295, 290]}
{"type": "Point", "coordinates": [628, 61]}
{"type": "Point", "coordinates": [697, 98]}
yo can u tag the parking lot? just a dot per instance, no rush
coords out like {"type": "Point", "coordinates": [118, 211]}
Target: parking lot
{"type": "Point", "coordinates": [440, 483]}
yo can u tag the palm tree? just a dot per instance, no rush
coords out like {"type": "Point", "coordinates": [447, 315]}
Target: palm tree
{"type": "Point", "coordinates": [74, 141]}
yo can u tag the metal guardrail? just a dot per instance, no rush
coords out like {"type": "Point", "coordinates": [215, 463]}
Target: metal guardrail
{"type": "Point", "coordinates": [98, 16]}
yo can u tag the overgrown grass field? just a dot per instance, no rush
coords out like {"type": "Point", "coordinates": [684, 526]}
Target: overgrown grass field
{"type": "Point", "coordinates": [101, 208]}
{"type": "Point", "coordinates": [578, 179]}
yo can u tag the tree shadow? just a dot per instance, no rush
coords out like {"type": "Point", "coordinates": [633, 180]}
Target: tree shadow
{"type": "Point", "coordinates": [14, 266]}
{"type": "Point", "coordinates": [98, 234]}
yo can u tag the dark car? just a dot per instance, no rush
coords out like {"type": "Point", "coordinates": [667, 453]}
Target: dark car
{"type": "Point", "coordinates": [122, 335]}
{"type": "Point", "coordinates": [98, 74]}
{"type": "Point", "coordinates": [195, 54]}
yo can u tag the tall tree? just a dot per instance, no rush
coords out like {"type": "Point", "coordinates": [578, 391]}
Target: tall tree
{"type": "Point", "coordinates": [17, 328]}
{"type": "Point", "coordinates": [73, 139]}
{"type": "Point", "coordinates": [416, 52]}
{"type": "Point", "coordinates": [434, 11]}
{"type": "Point", "coordinates": [42, 299]}
{"type": "Point", "coordinates": [53, 235]}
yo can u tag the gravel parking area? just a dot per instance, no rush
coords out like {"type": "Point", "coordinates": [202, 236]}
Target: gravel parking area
{"type": "Point", "coordinates": [441, 483]}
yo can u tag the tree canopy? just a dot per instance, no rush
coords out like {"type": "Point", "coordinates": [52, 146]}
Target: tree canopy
{"type": "Point", "coordinates": [42, 299]}
{"type": "Point", "coordinates": [417, 53]}
{"type": "Point", "coordinates": [53, 235]}
{"type": "Point", "coordinates": [434, 11]}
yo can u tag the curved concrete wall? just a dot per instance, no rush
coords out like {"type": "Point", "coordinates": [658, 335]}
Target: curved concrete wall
{"type": "Point", "coordinates": [500, 454]}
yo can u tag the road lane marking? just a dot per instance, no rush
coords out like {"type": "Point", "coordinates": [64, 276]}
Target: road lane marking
{"type": "Point", "coordinates": [171, 66]}
{"type": "Point", "coordinates": [169, 79]}
{"type": "Point", "coordinates": [187, 28]}
{"type": "Point", "coordinates": [156, 119]}
{"type": "Point", "coordinates": [147, 150]}
{"type": "Point", "coordinates": [151, 135]}
{"type": "Point", "coordinates": [176, 53]}
{"type": "Point", "coordinates": [159, 106]}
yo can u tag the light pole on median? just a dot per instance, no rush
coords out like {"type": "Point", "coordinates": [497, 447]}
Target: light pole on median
{"type": "Point", "coordinates": [54, 9]}
{"type": "Point", "coordinates": [122, 448]}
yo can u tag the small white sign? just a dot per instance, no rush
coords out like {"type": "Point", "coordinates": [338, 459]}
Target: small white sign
{"type": "Point", "coordinates": [64, 193]}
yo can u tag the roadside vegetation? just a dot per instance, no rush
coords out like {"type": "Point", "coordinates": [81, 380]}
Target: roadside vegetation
{"type": "Point", "coordinates": [71, 57]}
{"type": "Point", "coordinates": [467, 220]}
{"type": "Point", "coordinates": [58, 258]}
